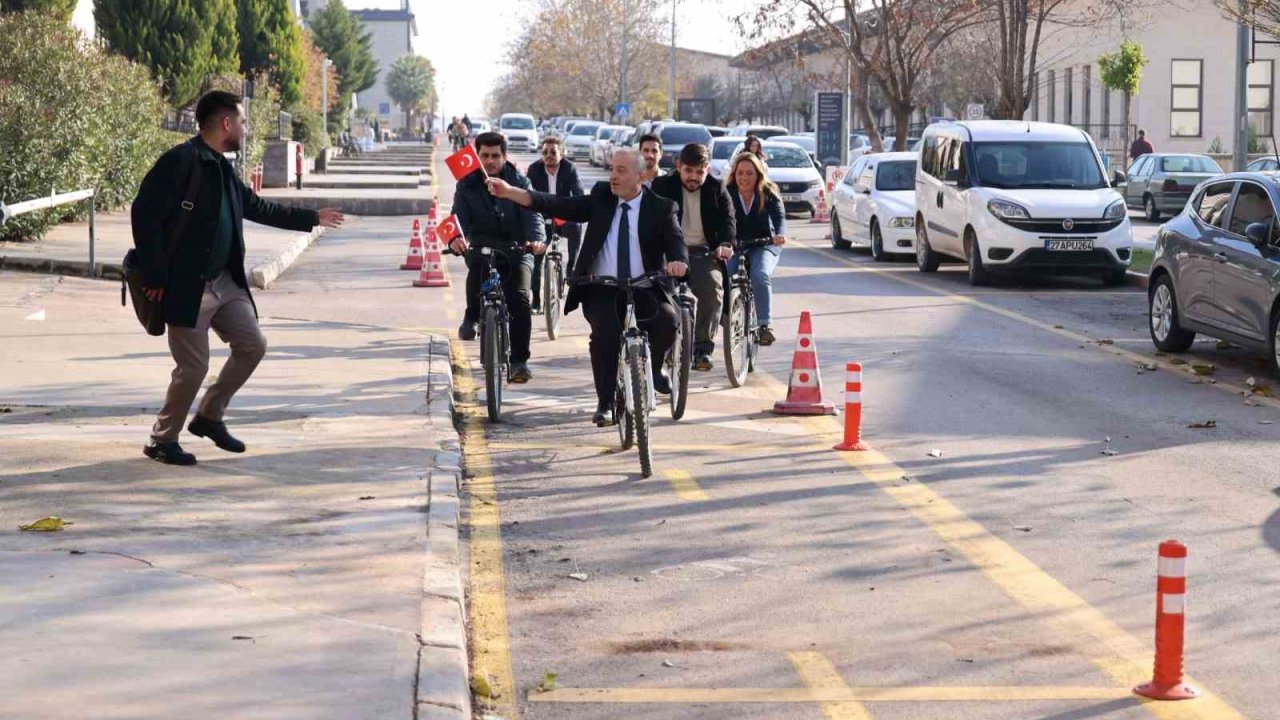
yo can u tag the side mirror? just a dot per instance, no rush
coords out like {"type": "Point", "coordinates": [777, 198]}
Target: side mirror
{"type": "Point", "coordinates": [1118, 178]}
{"type": "Point", "coordinates": [864, 190]}
{"type": "Point", "coordinates": [1258, 233]}
{"type": "Point", "coordinates": [957, 178]}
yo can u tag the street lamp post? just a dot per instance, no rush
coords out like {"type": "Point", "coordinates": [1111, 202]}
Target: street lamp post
{"type": "Point", "coordinates": [671, 95]}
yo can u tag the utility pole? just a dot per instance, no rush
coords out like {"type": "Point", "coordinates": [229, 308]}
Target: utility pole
{"type": "Point", "coordinates": [625, 17]}
{"type": "Point", "coordinates": [671, 96]}
{"type": "Point", "coordinates": [1240, 146]}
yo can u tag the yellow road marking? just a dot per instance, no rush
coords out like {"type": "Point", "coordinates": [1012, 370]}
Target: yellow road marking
{"type": "Point", "coordinates": [941, 693]}
{"type": "Point", "coordinates": [1088, 631]}
{"type": "Point", "coordinates": [685, 486]}
{"type": "Point", "coordinates": [819, 674]}
{"type": "Point", "coordinates": [1136, 357]}
{"type": "Point", "coordinates": [751, 449]}
{"type": "Point", "coordinates": [487, 599]}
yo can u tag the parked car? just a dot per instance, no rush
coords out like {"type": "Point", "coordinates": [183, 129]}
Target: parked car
{"type": "Point", "coordinates": [1266, 164]}
{"type": "Point", "coordinates": [794, 173]}
{"type": "Point", "coordinates": [717, 131]}
{"type": "Point", "coordinates": [808, 142]}
{"type": "Point", "coordinates": [601, 141]}
{"type": "Point", "coordinates": [859, 145]}
{"type": "Point", "coordinates": [578, 139]}
{"type": "Point", "coordinates": [1162, 182]}
{"type": "Point", "coordinates": [1216, 268]}
{"type": "Point", "coordinates": [479, 126]}
{"type": "Point", "coordinates": [874, 205]}
{"type": "Point", "coordinates": [622, 137]}
{"type": "Point", "coordinates": [1008, 195]}
{"type": "Point", "coordinates": [675, 135]}
{"type": "Point", "coordinates": [722, 149]}
{"type": "Point", "coordinates": [520, 130]}
{"type": "Point", "coordinates": [763, 132]}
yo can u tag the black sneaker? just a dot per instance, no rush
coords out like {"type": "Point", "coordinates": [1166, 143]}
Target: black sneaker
{"type": "Point", "coordinates": [169, 453]}
{"type": "Point", "coordinates": [661, 384]}
{"type": "Point", "coordinates": [467, 331]}
{"type": "Point", "coordinates": [766, 335]}
{"type": "Point", "coordinates": [520, 373]}
{"type": "Point", "coordinates": [703, 363]}
{"type": "Point", "coordinates": [216, 431]}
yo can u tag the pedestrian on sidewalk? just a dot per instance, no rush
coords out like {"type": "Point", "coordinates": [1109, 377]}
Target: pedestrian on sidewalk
{"type": "Point", "coordinates": [1141, 146]}
{"type": "Point", "coordinates": [201, 282]}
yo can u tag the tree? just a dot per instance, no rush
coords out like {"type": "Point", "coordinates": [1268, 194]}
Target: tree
{"type": "Point", "coordinates": [1262, 15]}
{"type": "Point", "coordinates": [1122, 70]}
{"type": "Point", "coordinates": [343, 38]}
{"type": "Point", "coordinates": [411, 83]}
{"type": "Point", "coordinates": [175, 38]}
{"type": "Point", "coordinates": [271, 42]}
{"type": "Point", "coordinates": [61, 9]}
{"type": "Point", "coordinates": [313, 76]}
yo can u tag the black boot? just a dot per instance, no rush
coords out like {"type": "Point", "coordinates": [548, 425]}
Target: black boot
{"type": "Point", "coordinates": [216, 431]}
{"type": "Point", "coordinates": [169, 453]}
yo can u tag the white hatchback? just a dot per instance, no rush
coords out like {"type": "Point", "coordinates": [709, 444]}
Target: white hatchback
{"type": "Point", "coordinates": [874, 205]}
{"type": "Point", "coordinates": [1006, 195]}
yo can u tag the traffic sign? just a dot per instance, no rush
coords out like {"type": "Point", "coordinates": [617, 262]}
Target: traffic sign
{"type": "Point", "coordinates": [975, 111]}
{"type": "Point", "coordinates": [623, 110]}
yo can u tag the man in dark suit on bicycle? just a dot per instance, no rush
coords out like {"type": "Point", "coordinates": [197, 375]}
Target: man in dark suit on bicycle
{"type": "Point", "coordinates": [557, 176]}
{"type": "Point", "coordinates": [630, 232]}
{"type": "Point", "coordinates": [708, 221]}
{"type": "Point", "coordinates": [489, 221]}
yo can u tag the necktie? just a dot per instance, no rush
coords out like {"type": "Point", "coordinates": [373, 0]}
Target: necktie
{"type": "Point", "coordinates": [624, 244]}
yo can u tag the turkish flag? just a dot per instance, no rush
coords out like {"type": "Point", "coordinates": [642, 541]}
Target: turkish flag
{"type": "Point", "coordinates": [463, 163]}
{"type": "Point", "coordinates": [559, 222]}
{"type": "Point", "coordinates": [448, 229]}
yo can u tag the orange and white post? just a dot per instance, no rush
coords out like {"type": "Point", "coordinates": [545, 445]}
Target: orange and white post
{"type": "Point", "coordinates": [1171, 605]}
{"type": "Point", "coordinates": [852, 409]}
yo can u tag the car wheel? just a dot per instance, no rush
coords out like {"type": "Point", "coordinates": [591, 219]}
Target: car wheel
{"type": "Point", "coordinates": [978, 275]}
{"type": "Point", "coordinates": [1275, 342]}
{"type": "Point", "coordinates": [926, 259]}
{"type": "Point", "coordinates": [1167, 332]}
{"type": "Point", "coordinates": [837, 237]}
{"type": "Point", "coordinates": [877, 242]}
{"type": "Point", "coordinates": [1149, 209]}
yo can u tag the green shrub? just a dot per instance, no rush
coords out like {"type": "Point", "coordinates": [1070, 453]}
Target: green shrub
{"type": "Point", "coordinates": [71, 117]}
{"type": "Point", "coordinates": [308, 129]}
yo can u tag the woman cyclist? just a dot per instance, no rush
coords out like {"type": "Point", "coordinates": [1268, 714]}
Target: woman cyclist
{"type": "Point", "coordinates": [758, 206]}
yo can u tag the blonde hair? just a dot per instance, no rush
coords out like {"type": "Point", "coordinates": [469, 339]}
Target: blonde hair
{"type": "Point", "coordinates": [764, 186]}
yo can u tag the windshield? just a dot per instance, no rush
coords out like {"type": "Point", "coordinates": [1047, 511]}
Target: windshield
{"type": "Point", "coordinates": [604, 132]}
{"type": "Point", "coordinates": [786, 157]}
{"type": "Point", "coordinates": [723, 150]}
{"type": "Point", "coordinates": [681, 135]}
{"type": "Point", "coordinates": [517, 123]}
{"type": "Point", "coordinates": [808, 143]}
{"type": "Point", "coordinates": [1189, 164]}
{"type": "Point", "coordinates": [896, 175]}
{"type": "Point", "coordinates": [584, 129]}
{"type": "Point", "coordinates": [766, 133]}
{"type": "Point", "coordinates": [1031, 165]}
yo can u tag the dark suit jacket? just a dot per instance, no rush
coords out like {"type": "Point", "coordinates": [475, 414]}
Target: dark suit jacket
{"type": "Point", "coordinates": [719, 221]}
{"type": "Point", "coordinates": [567, 185]}
{"type": "Point", "coordinates": [156, 206]}
{"type": "Point", "coordinates": [661, 240]}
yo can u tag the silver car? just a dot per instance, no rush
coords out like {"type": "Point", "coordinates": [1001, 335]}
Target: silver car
{"type": "Point", "coordinates": [1216, 268]}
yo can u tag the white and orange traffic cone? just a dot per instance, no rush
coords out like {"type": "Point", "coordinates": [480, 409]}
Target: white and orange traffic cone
{"type": "Point", "coordinates": [852, 409]}
{"type": "Point", "coordinates": [1171, 604]}
{"type": "Point", "coordinates": [804, 390]}
{"type": "Point", "coordinates": [432, 274]}
{"type": "Point", "coordinates": [414, 259]}
{"type": "Point", "coordinates": [823, 213]}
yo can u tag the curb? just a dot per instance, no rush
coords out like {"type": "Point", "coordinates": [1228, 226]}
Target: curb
{"type": "Point", "coordinates": [1135, 279]}
{"type": "Point", "coordinates": [442, 691]}
{"type": "Point", "coordinates": [266, 273]}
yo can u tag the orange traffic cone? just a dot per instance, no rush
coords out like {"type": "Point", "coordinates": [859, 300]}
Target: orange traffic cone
{"type": "Point", "coordinates": [852, 409]}
{"type": "Point", "coordinates": [804, 390]}
{"type": "Point", "coordinates": [414, 260]}
{"type": "Point", "coordinates": [1171, 602]}
{"type": "Point", "coordinates": [432, 214]}
{"type": "Point", "coordinates": [433, 268]}
{"type": "Point", "coordinates": [823, 213]}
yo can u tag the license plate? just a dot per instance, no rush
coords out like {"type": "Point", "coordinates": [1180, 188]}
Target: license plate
{"type": "Point", "coordinates": [793, 198]}
{"type": "Point", "coordinates": [1069, 245]}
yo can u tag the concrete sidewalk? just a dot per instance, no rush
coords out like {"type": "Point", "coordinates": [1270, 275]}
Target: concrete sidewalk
{"type": "Point", "coordinates": [65, 250]}
{"type": "Point", "coordinates": [314, 576]}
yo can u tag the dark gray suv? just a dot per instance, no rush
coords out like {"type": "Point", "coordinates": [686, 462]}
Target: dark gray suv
{"type": "Point", "coordinates": [1216, 268]}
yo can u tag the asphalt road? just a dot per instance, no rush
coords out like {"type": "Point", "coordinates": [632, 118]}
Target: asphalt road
{"type": "Point", "coordinates": [759, 574]}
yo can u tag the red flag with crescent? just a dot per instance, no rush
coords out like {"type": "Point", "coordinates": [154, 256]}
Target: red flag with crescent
{"type": "Point", "coordinates": [448, 229]}
{"type": "Point", "coordinates": [463, 163]}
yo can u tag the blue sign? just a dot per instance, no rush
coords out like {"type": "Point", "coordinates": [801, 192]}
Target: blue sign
{"type": "Point", "coordinates": [384, 108]}
{"type": "Point", "coordinates": [830, 128]}
{"type": "Point", "coordinates": [623, 110]}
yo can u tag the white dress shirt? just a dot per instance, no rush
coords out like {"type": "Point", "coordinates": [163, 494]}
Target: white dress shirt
{"type": "Point", "coordinates": [607, 260]}
{"type": "Point", "coordinates": [551, 178]}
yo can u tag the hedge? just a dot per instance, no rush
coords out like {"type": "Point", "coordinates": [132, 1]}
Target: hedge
{"type": "Point", "coordinates": [72, 116]}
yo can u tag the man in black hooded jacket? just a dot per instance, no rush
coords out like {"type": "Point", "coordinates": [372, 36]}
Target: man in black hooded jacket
{"type": "Point", "coordinates": [513, 231]}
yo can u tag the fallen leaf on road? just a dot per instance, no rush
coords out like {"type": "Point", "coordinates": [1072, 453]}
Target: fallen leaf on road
{"type": "Point", "coordinates": [367, 497]}
{"type": "Point", "coordinates": [1177, 361]}
{"type": "Point", "coordinates": [935, 453]}
{"type": "Point", "coordinates": [1058, 327]}
{"type": "Point", "coordinates": [1023, 528]}
{"type": "Point", "coordinates": [77, 552]}
{"type": "Point", "coordinates": [548, 681]}
{"type": "Point", "coordinates": [1149, 367]}
{"type": "Point", "coordinates": [6, 410]}
{"type": "Point", "coordinates": [563, 560]}
{"type": "Point", "coordinates": [1204, 369]}
{"type": "Point", "coordinates": [580, 577]}
{"type": "Point", "coordinates": [1196, 381]}
{"type": "Point", "coordinates": [480, 686]}
{"type": "Point", "coordinates": [1224, 345]}
{"type": "Point", "coordinates": [1264, 390]}
{"type": "Point", "coordinates": [668, 663]}
{"type": "Point", "coordinates": [1252, 403]}
{"type": "Point", "coordinates": [967, 660]}
{"type": "Point", "coordinates": [1109, 452]}
{"type": "Point", "coordinates": [242, 637]}
{"type": "Point", "coordinates": [1206, 425]}
{"type": "Point", "coordinates": [1266, 422]}
{"type": "Point", "coordinates": [49, 524]}
{"type": "Point", "coordinates": [1161, 354]}
{"type": "Point", "coordinates": [1106, 342]}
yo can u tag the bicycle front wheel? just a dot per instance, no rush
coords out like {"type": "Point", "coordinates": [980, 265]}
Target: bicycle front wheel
{"type": "Point", "coordinates": [492, 356]}
{"type": "Point", "coordinates": [736, 337]}
{"type": "Point", "coordinates": [681, 363]}
{"type": "Point", "coordinates": [621, 415]}
{"type": "Point", "coordinates": [640, 408]}
{"type": "Point", "coordinates": [552, 281]}
{"type": "Point", "coordinates": [753, 334]}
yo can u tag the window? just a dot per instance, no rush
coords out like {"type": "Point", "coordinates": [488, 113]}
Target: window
{"type": "Point", "coordinates": [851, 177]}
{"type": "Point", "coordinates": [1252, 205]}
{"type": "Point", "coordinates": [1260, 84]}
{"type": "Point", "coordinates": [1053, 96]}
{"type": "Point", "coordinates": [1184, 116]}
{"type": "Point", "coordinates": [1038, 165]}
{"type": "Point", "coordinates": [1068, 98]}
{"type": "Point", "coordinates": [896, 175]}
{"type": "Point", "coordinates": [1139, 166]}
{"type": "Point", "coordinates": [1213, 203]}
{"type": "Point", "coordinates": [1188, 164]}
{"type": "Point", "coordinates": [865, 177]}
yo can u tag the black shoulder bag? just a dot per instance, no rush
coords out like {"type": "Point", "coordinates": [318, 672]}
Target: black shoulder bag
{"type": "Point", "coordinates": [151, 314]}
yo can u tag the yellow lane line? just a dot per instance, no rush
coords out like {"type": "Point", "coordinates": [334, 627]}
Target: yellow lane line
{"type": "Point", "coordinates": [1130, 355]}
{"type": "Point", "coordinates": [819, 673]}
{"type": "Point", "coordinates": [1088, 631]}
{"type": "Point", "coordinates": [752, 449]}
{"type": "Point", "coordinates": [685, 486]}
{"type": "Point", "coordinates": [486, 599]}
{"type": "Point", "coordinates": [853, 695]}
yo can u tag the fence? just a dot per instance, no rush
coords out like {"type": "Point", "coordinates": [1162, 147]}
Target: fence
{"type": "Point", "coordinates": [54, 200]}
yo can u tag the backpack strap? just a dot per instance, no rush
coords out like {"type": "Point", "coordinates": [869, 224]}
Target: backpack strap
{"type": "Point", "coordinates": [190, 191]}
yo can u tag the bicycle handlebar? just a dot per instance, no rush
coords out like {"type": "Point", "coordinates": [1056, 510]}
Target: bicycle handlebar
{"type": "Point", "coordinates": [646, 280]}
{"type": "Point", "coordinates": [752, 243]}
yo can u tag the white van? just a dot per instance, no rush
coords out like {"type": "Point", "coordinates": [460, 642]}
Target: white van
{"type": "Point", "coordinates": [1008, 195]}
{"type": "Point", "coordinates": [521, 132]}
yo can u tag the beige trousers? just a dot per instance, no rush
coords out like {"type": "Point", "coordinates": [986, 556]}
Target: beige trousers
{"type": "Point", "coordinates": [225, 307]}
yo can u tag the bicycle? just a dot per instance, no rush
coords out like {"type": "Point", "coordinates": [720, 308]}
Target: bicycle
{"type": "Point", "coordinates": [553, 280]}
{"type": "Point", "coordinates": [679, 361]}
{"type": "Point", "coordinates": [634, 395]}
{"type": "Point", "coordinates": [495, 332]}
{"type": "Point", "coordinates": [741, 331]}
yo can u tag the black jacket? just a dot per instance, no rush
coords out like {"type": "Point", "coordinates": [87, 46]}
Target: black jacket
{"type": "Point", "coordinates": [719, 222]}
{"type": "Point", "coordinates": [567, 185]}
{"type": "Point", "coordinates": [661, 240]}
{"type": "Point", "coordinates": [156, 206]}
{"type": "Point", "coordinates": [762, 221]}
{"type": "Point", "coordinates": [489, 222]}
